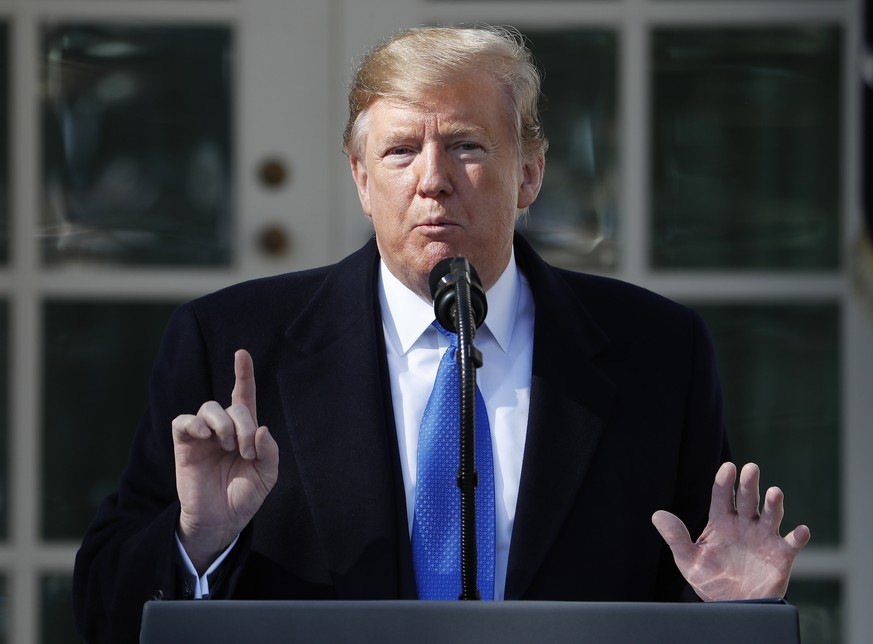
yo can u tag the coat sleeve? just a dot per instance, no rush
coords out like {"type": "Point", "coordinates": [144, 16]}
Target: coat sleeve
{"type": "Point", "coordinates": [704, 447]}
{"type": "Point", "coordinates": [128, 555]}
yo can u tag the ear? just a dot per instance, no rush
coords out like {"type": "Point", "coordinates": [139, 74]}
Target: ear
{"type": "Point", "coordinates": [531, 181]}
{"type": "Point", "coordinates": [359, 173]}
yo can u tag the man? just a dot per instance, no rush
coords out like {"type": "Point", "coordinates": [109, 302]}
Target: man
{"type": "Point", "coordinates": [602, 398]}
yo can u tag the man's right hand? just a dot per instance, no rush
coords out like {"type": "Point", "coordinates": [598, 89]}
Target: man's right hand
{"type": "Point", "coordinates": [225, 466]}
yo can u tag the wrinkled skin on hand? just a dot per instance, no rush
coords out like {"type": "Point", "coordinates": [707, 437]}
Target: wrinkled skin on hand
{"type": "Point", "coordinates": [226, 464]}
{"type": "Point", "coordinates": [740, 554]}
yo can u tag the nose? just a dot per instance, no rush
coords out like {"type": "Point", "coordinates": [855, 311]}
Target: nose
{"type": "Point", "coordinates": [434, 171]}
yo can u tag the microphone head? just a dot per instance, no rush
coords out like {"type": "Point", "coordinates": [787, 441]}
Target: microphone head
{"type": "Point", "coordinates": [443, 279]}
{"type": "Point", "coordinates": [441, 275]}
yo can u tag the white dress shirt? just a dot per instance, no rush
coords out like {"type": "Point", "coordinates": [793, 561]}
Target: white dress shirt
{"type": "Point", "coordinates": [414, 350]}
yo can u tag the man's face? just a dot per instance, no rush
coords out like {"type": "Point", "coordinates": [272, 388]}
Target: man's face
{"type": "Point", "coordinates": [441, 177]}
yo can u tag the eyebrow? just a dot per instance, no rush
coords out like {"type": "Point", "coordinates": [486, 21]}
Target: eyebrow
{"type": "Point", "coordinates": [402, 133]}
{"type": "Point", "coordinates": [461, 130]}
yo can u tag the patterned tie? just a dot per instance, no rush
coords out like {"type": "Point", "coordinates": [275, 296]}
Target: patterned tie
{"type": "Point", "coordinates": [436, 529]}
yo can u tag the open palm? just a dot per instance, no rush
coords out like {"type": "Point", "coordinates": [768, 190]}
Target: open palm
{"type": "Point", "coordinates": [740, 554]}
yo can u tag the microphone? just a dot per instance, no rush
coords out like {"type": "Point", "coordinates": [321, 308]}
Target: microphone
{"type": "Point", "coordinates": [444, 280]}
{"type": "Point", "coordinates": [459, 306]}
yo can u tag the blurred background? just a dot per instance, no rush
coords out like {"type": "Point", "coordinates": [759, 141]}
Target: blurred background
{"type": "Point", "coordinates": [155, 150]}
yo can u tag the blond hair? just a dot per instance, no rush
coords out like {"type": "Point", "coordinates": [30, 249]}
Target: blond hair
{"type": "Point", "coordinates": [416, 60]}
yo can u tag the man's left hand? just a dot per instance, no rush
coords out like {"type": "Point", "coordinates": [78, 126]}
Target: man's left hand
{"type": "Point", "coordinates": [740, 554]}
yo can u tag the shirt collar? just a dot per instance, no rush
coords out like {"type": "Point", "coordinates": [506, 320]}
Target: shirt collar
{"type": "Point", "coordinates": [406, 315]}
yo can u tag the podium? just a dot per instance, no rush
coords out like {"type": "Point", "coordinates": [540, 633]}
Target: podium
{"type": "Point", "coordinates": [472, 622]}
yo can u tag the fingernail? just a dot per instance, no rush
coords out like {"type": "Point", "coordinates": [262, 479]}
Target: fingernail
{"type": "Point", "coordinates": [250, 454]}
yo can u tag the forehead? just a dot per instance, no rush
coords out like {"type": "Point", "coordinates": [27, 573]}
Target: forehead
{"type": "Point", "coordinates": [466, 106]}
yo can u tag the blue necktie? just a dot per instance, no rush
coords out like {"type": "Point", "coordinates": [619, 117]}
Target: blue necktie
{"type": "Point", "coordinates": [436, 528]}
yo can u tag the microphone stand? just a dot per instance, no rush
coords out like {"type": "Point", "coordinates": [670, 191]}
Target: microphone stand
{"type": "Point", "coordinates": [469, 359]}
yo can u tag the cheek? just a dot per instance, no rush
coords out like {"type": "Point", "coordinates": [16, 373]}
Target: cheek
{"type": "Point", "coordinates": [390, 191]}
{"type": "Point", "coordinates": [382, 224]}
{"type": "Point", "coordinates": [501, 184]}
{"type": "Point", "coordinates": [503, 204]}
{"type": "Point", "coordinates": [392, 235]}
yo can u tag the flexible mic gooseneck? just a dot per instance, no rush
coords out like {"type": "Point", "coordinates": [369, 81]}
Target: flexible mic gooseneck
{"type": "Point", "coordinates": [460, 307]}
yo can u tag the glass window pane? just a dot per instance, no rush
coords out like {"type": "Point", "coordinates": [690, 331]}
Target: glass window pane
{"type": "Point", "coordinates": [780, 369]}
{"type": "Point", "coordinates": [4, 612]}
{"type": "Point", "coordinates": [56, 618]}
{"type": "Point", "coordinates": [96, 361]}
{"type": "Point", "coordinates": [4, 421]}
{"type": "Point", "coordinates": [573, 222]}
{"type": "Point", "coordinates": [137, 144]}
{"type": "Point", "coordinates": [820, 607]}
{"type": "Point", "coordinates": [4, 142]}
{"type": "Point", "coordinates": [745, 150]}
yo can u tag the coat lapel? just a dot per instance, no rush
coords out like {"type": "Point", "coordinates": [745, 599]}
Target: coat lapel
{"type": "Point", "coordinates": [570, 403]}
{"type": "Point", "coordinates": [333, 390]}
{"type": "Point", "coordinates": [344, 439]}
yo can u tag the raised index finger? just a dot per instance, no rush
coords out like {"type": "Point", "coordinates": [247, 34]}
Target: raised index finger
{"type": "Point", "coordinates": [244, 383]}
{"type": "Point", "coordinates": [722, 502]}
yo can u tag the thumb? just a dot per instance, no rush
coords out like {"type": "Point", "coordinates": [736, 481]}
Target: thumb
{"type": "Point", "coordinates": [673, 531]}
{"type": "Point", "coordinates": [266, 447]}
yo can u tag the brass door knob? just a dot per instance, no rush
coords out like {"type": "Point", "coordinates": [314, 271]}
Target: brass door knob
{"type": "Point", "coordinates": [274, 241]}
{"type": "Point", "coordinates": [273, 172]}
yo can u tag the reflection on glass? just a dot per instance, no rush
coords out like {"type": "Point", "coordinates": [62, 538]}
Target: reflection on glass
{"type": "Point", "coordinates": [56, 617]}
{"type": "Point", "coordinates": [137, 144]}
{"type": "Point", "coordinates": [4, 142]}
{"type": "Point", "coordinates": [745, 150]}
{"type": "Point", "coordinates": [573, 222]}
{"type": "Point", "coordinates": [780, 367]}
{"type": "Point", "coordinates": [820, 608]}
{"type": "Point", "coordinates": [96, 360]}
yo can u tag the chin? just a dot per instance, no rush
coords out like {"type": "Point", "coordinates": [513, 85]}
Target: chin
{"type": "Point", "coordinates": [438, 251]}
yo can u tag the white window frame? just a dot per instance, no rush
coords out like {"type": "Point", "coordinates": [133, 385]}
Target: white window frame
{"type": "Point", "coordinates": [321, 207]}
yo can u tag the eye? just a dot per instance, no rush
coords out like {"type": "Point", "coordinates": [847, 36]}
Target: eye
{"type": "Point", "coordinates": [467, 150]}
{"type": "Point", "coordinates": [400, 150]}
{"type": "Point", "coordinates": [398, 155]}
